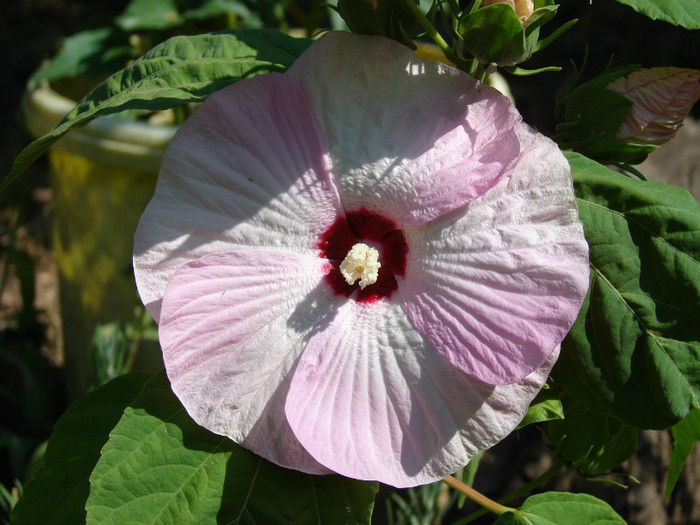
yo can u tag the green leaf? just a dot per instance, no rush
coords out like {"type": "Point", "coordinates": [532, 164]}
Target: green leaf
{"type": "Point", "coordinates": [149, 15]}
{"type": "Point", "coordinates": [159, 466]}
{"type": "Point", "coordinates": [685, 13]}
{"type": "Point", "coordinates": [205, 9]}
{"type": "Point", "coordinates": [634, 351]}
{"type": "Point", "coordinates": [109, 351]}
{"type": "Point", "coordinates": [592, 442]}
{"type": "Point", "coordinates": [562, 508]}
{"type": "Point", "coordinates": [57, 494]}
{"type": "Point", "coordinates": [545, 407]}
{"type": "Point", "coordinates": [96, 52]}
{"type": "Point", "coordinates": [142, 15]}
{"type": "Point", "coordinates": [181, 69]}
{"type": "Point", "coordinates": [685, 434]}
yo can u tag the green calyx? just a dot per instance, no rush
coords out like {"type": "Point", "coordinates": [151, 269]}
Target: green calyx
{"type": "Point", "coordinates": [390, 18]}
{"type": "Point", "coordinates": [495, 35]}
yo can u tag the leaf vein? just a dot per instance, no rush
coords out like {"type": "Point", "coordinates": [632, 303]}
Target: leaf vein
{"type": "Point", "coordinates": [244, 507]}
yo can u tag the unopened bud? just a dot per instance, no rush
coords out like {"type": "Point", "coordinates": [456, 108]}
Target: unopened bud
{"type": "Point", "coordinates": [662, 97]}
{"type": "Point", "coordinates": [504, 32]}
{"type": "Point", "coordinates": [522, 8]}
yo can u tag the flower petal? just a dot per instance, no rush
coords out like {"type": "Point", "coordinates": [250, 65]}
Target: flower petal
{"type": "Point", "coordinates": [496, 286]}
{"type": "Point", "coordinates": [232, 327]}
{"type": "Point", "coordinates": [371, 399]}
{"type": "Point", "coordinates": [408, 138]}
{"type": "Point", "coordinates": [662, 96]}
{"type": "Point", "coordinates": [247, 169]}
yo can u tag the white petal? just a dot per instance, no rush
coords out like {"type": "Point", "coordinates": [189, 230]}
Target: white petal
{"type": "Point", "coordinates": [246, 170]}
{"type": "Point", "coordinates": [232, 327]}
{"type": "Point", "coordinates": [497, 285]}
{"type": "Point", "coordinates": [371, 399]}
{"type": "Point", "coordinates": [408, 138]}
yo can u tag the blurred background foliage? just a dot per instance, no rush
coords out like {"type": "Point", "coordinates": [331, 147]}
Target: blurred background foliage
{"type": "Point", "coordinates": [31, 389]}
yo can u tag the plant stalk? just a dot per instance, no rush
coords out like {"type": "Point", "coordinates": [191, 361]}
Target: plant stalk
{"type": "Point", "coordinates": [476, 496]}
{"type": "Point", "coordinates": [528, 487]}
{"type": "Point", "coordinates": [433, 33]}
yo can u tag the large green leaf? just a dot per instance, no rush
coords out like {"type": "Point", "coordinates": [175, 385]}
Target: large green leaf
{"type": "Point", "coordinates": [142, 15]}
{"type": "Point", "coordinates": [146, 15]}
{"type": "Point", "coordinates": [591, 442]}
{"type": "Point", "coordinates": [95, 53]}
{"type": "Point", "coordinates": [562, 508]}
{"type": "Point", "coordinates": [159, 466]}
{"type": "Point", "coordinates": [684, 13]}
{"type": "Point", "coordinates": [181, 69]}
{"type": "Point", "coordinates": [57, 494]}
{"type": "Point", "coordinates": [685, 434]}
{"type": "Point", "coordinates": [204, 9]}
{"type": "Point", "coordinates": [634, 351]}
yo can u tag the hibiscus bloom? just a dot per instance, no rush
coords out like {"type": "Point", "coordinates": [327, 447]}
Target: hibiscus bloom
{"type": "Point", "coordinates": [365, 265]}
{"type": "Point", "coordinates": [662, 97]}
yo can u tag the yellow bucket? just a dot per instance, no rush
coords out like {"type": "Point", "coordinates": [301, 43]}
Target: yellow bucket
{"type": "Point", "coordinates": [102, 176]}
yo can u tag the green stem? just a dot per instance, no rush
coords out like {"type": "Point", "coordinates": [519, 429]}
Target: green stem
{"type": "Point", "coordinates": [480, 72]}
{"type": "Point", "coordinates": [525, 489]}
{"type": "Point", "coordinates": [476, 496]}
{"type": "Point", "coordinates": [135, 342]}
{"type": "Point", "coordinates": [433, 33]}
{"type": "Point", "coordinates": [180, 113]}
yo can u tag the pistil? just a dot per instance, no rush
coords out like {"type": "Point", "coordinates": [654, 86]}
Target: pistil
{"type": "Point", "coordinates": [361, 263]}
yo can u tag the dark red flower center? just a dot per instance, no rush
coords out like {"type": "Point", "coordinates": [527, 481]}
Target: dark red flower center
{"type": "Point", "coordinates": [363, 226]}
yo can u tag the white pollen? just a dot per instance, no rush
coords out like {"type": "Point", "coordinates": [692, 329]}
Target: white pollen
{"type": "Point", "coordinates": [361, 262]}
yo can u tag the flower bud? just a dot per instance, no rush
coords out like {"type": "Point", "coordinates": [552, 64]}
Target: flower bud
{"type": "Point", "coordinates": [662, 97]}
{"type": "Point", "coordinates": [504, 32]}
{"type": "Point", "coordinates": [522, 8]}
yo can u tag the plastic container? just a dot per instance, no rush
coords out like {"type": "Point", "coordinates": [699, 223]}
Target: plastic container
{"type": "Point", "coordinates": [102, 176]}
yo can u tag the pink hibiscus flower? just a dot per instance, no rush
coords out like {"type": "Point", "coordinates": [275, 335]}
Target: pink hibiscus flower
{"type": "Point", "coordinates": [662, 97]}
{"type": "Point", "coordinates": [365, 265]}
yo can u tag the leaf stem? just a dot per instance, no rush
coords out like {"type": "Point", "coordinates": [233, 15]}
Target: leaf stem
{"type": "Point", "coordinates": [433, 33]}
{"type": "Point", "coordinates": [136, 337]}
{"type": "Point", "coordinates": [539, 480]}
{"type": "Point", "coordinates": [476, 496]}
{"type": "Point", "coordinates": [480, 72]}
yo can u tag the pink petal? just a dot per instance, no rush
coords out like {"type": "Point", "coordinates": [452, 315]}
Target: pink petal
{"type": "Point", "coordinates": [496, 286]}
{"type": "Point", "coordinates": [232, 327]}
{"type": "Point", "coordinates": [662, 96]}
{"type": "Point", "coordinates": [408, 138]}
{"type": "Point", "coordinates": [246, 170]}
{"type": "Point", "coordinates": [371, 399]}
